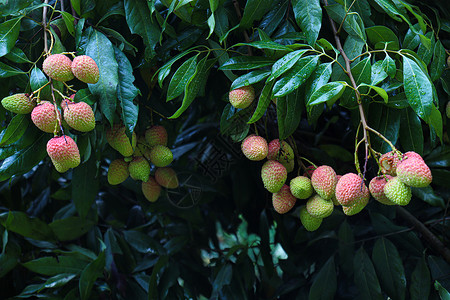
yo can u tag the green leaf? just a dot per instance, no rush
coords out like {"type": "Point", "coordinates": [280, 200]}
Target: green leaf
{"type": "Point", "coordinates": [263, 102]}
{"type": "Point", "coordinates": [424, 51]}
{"type": "Point", "coordinates": [346, 248]}
{"type": "Point", "coordinates": [427, 195]}
{"type": "Point", "coordinates": [233, 122]}
{"type": "Point", "coordinates": [249, 79]}
{"type": "Point", "coordinates": [411, 135]}
{"type": "Point", "coordinates": [15, 130]}
{"type": "Point", "coordinates": [365, 277]}
{"type": "Point", "coordinates": [380, 35]}
{"type": "Point", "coordinates": [378, 72]}
{"type": "Point", "coordinates": [18, 56]}
{"type": "Point", "coordinates": [269, 45]}
{"type": "Point", "coordinates": [223, 278]}
{"type": "Point", "coordinates": [362, 73]}
{"type": "Point", "coordinates": [9, 32]}
{"type": "Point", "coordinates": [140, 21]}
{"type": "Point", "coordinates": [308, 15]}
{"type": "Point", "coordinates": [443, 293]}
{"type": "Point", "coordinates": [253, 11]}
{"type": "Point", "coordinates": [285, 63]}
{"type": "Point", "coordinates": [90, 274]}
{"type": "Point", "coordinates": [143, 243]}
{"type": "Point", "coordinates": [389, 267]}
{"type": "Point", "coordinates": [85, 184]}
{"type": "Point", "coordinates": [71, 228]}
{"type": "Point", "coordinates": [439, 61]}
{"type": "Point", "coordinates": [329, 93]}
{"type": "Point", "coordinates": [420, 281]}
{"type": "Point", "coordinates": [289, 109]}
{"type": "Point", "coordinates": [181, 77]}
{"type": "Point", "coordinates": [337, 152]}
{"type": "Point", "coordinates": [418, 88]}
{"type": "Point", "coordinates": [246, 63]}
{"type": "Point", "coordinates": [164, 71]}
{"type": "Point", "coordinates": [53, 282]}
{"type": "Point", "coordinates": [10, 7]}
{"type": "Point", "coordinates": [101, 50]}
{"type": "Point", "coordinates": [126, 92]}
{"type": "Point", "coordinates": [387, 122]}
{"type": "Point", "coordinates": [295, 76]}
{"type": "Point", "coordinates": [380, 91]}
{"type": "Point", "coordinates": [8, 71]}
{"type": "Point", "coordinates": [68, 20]}
{"type": "Point", "coordinates": [56, 265]}
{"type": "Point", "coordinates": [9, 258]}
{"type": "Point", "coordinates": [152, 286]}
{"type": "Point", "coordinates": [20, 223]}
{"type": "Point", "coordinates": [389, 66]}
{"type": "Point", "coordinates": [351, 23]}
{"type": "Point", "coordinates": [325, 283]}
{"type": "Point", "coordinates": [76, 4]}
{"type": "Point", "coordinates": [435, 121]}
{"type": "Point", "coordinates": [318, 78]}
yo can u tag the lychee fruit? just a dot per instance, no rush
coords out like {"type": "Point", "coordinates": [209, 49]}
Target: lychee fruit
{"type": "Point", "coordinates": [254, 147]}
{"type": "Point", "coordinates": [151, 189]}
{"type": "Point", "coordinates": [319, 207]}
{"type": "Point", "coordinates": [283, 201]}
{"type": "Point", "coordinates": [310, 222]}
{"type": "Point", "coordinates": [79, 116]}
{"type": "Point", "coordinates": [376, 188]}
{"type": "Point", "coordinates": [309, 171]}
{"type": "Point", "coordinates": [389, 162]}
{"type": "Point", "coordinates": [167, 177]}
{"type": "Point", "coordinates": [85, 69]}
{"type": "Point", "coordinates": [397, 192]}
{"type": "Point", "coordinates": [242, 97]}
{"type": "Point", "coordinates": [119, 141]}
{"type": "Point", "coordinates": [18, 103]}
{"type": "Point", "coordinates": [412, 154]}
{"type": "Point", "coordinates": [118, 171]}
{"type": "Point", "coordinates": [273, 175]}
{"type": "Point", "coordinates": [283, 153]}
{"type": "Point", "coordinates": [351, 189]}
{"type": "Point", "coordinates": [414, 172]}
{"type": "Point", "coordinates": [139, 168]}
{"type": "Point", "coordinates": [356, 207]}
{"type": "Point", "coordinates": [324, 181]}
{"type": "Point", "coordinates": [45, 117]}
{"type": "Point", "coordinates": [161, 156]}
{"type": "Point", "coordinates": [63, 152]}
{"type": "Point", "coordinates": [58, 67]}
{"type": "Point", "coordinates": [301, 187]}
{"type": "Point", "coordinates": [156, 135]}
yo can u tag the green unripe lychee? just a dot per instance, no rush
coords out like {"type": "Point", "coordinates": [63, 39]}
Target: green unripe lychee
{"type": "Point", "coordinates": [58, 67]}
{"type": "Point", "coordinates": [18, 103]}
{"type": "Point", "coordinates": [85, 69]}
{"type": "Point", "coordinates": [167, 177]}
{"type": "Point", "coordinates": [351, 189]}
{"type": "Point", "coordinates": [79, 116]}
{"type": "Point", "coordinates": [254, 147]}
{"type": "Point", "coordinates": [273, 175]}
{"type": "Point", "coordinates": [151, 189]}
{"type": "Point", "coordinates": [376, 188]}
{"type": "Point", "coordinates": [63, 152]}
{"type": "Point", "coordinates": [414, 172]}
{"type": "Point", "coordinates": [283, 201]}
{"type": "Point", "coordinates": [283, 153]}
{"type": "Point", "coordinates": [301, 187]}
{"type": "Point", "coordinates": [397, 192]}
{"type": "Point", "coordinates": [156, 135]}
{"type": "Point", "coordinates": [119, 141]}
{"type": "Point", "coordinates": [139, 168]}
{"type": "Point", "coordinates": [319, 207]}
{"type": "Point", "coordinates": [242, 97]}
{"type": "Point", "coordinates": [45, 117]}
{"type": "Point", "coordinates": [161, 156]}
{"type": "Point", "coordinates": [310, 222]}
{"type": "Point", "coordinates": [324, 181]}
{"type": "Point", "coordinates": [356, 207]}
{"type": "Point", "coordinates": [118, 171]}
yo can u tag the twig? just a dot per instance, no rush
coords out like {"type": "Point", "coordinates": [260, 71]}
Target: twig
{"type": "Point", "coordinates": [44, 24]}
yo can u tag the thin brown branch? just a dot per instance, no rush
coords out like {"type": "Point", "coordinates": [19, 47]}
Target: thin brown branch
{"type": "Point", "coordinates": [44, 24]}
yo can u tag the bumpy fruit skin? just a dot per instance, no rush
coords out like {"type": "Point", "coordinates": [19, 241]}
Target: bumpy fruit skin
{"type": "Point", "coordinates": [151, 189]}
{"type": "Point", "coordinates": [283, 201]}
{"type": "Point", "coordinates": [283, 153]}
{"type": "Point", "coordinates": [447, 108]}
{"type": "Point", "coordinates": [85, 69]}
{"type": "Point", "coordinates": [273, 175]}
{"type": "Point", "coordinates": [310, 222]}
{"type": "Point", "coordinates": [58, 67]}
{"type": "Point", "coordinates": [44, 116]}
{"type": "Point", "coordinates": [63, 152]}
{"type": "Point", "coordinates": [412, 154]}
{"type": "Point", "coordinates": [161, 156]}
{"type": "Point", "coordinates": [376, 188]}
{"type": "Point", "coordinates": [156, 135]}
{"type": "Point", "coordinates": [242, 97]}
{"type": "Point", "coordinates": [309, 171]}
{"type": "Point", "coordinates": [255, 147]}
{"type": "Point", "coordinates": [139, 168]}
{"type": "Point", "coordinates": [319, 207]}
{"type": "Point", "coordinates": [356, 207]}
{"type": "Point", "coordinates": [167, 177]}
{"type": "Point", "coordinates": [397, 192]}
{"type": "Point", "coordinates": [79, 116]}
{"type": "Point", "coordinates": [301, 187]}
{"type": "Point", "coordinates": [18, 103]}
{"type": "Point", "coordinates": [414, 172]}
{"type": "Point", "coordinates": [351, 189]}
{"type": "Point", "coordinates": [119, 141]}
{"type": "Point", "coordinates": [324, 181]}
{"type": "Point", "coordinates": [118, 171]}
{"type": "Point", "coordinates": [389, 162]}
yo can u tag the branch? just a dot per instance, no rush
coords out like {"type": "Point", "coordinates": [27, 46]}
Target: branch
{"type": "Point", "coordinates": [44, 24]}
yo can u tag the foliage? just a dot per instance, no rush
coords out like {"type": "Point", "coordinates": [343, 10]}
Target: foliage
{"type": "Point", "coordinates": [74, 236]}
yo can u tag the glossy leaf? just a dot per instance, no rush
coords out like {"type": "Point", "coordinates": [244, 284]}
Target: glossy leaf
{"type": "Point", "coordinates": [68, 20]}
{"type": "Point", "coordinates": [53, 282]}
{"type": "Point", "coordinates": [380, 91]}
{"type": "Point", "coordinates": [164, 71]}
{"type": "Point", "coordinates": [435, 121]}
{"type": "Point", "coordinates": [90, 274]}
{"type": "Point", "coordinates": [351, 24]}
{"type": "Point", "coordinates": [378, 72]}
{"type": "Point", "coordinates": [263, 102]}
{"type": "Point", "coordinates": [285, 63]}
{"type": "Point", "coordinates": [9, 32]}
{"type": "Point", "coordinates": [420, 281]}
{"type": "Point", "coordinates": [152, 286]}
{"type": "Point", "coordinates": [56, 265]}
{"type": "Point", "coordinates": [443, 293]}
{"type": "Point", "coordinates": [329, 92]}
{"type": "Point", "coordinates": [439, 60]}
{"type": "Point", "coordinates": [20, 223]}
{"type": "Point", "coordinates": [253, 11]}
{"type": "Point", "coordinates": [268, 45]}
{"type": "Point", "coordinates": [9, 7]}
{"type": "Point", "coordinates": [249, 79]}
{"type": "Point", "coordinates": [365, 277]}
{"type": "Point", "coordinates": [18, 56]}
{"type": "Point", "coordinates": [387, 122]}
{"type": "Point", "coordinates": [325, 284]}
{"type": "Point", "coordinates": [9, 71]}
{"type": "Point", "coordinates": [411, 135]}
{"type": "Point", "coordinates": [246, 63]}
{"type": "Point", "coordinates": [181, 78]}
{"type": "Point", "coordinates": [289, 110]}
{"type": "Point", "coordinates": [381, 35]}
{"type": "Point", "coordinates": [85, 184]}
{"type": "Point", "coordinates": [15, 130]}
{"type": "Point", "coordinates": [70, 228]}
{"type": "Point", "coordinates": [318, 78]}
{"type": "Point", "coordinates": [308, 15]}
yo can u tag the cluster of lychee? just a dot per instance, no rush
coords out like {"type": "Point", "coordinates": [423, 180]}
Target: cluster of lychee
{"type": "Point", "coordinates": [63, 150]}
{"type": "Point", "coordinates": [139, 154]}
{"type": "Point", "coordinates": [323, 188]}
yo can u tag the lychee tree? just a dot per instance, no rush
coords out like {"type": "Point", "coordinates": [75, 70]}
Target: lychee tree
{"type": "Point", "coordinates": [224, 149]}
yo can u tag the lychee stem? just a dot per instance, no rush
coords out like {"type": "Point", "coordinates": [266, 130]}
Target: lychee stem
{"type": "Point", "coordinates": [69, 87]}
{"type": "Point", "coordinates": [39, 90]}
{"type": "Point", "coordinates": [305, 159]}
{"type": "Point", "coordinates": [56, 111]}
